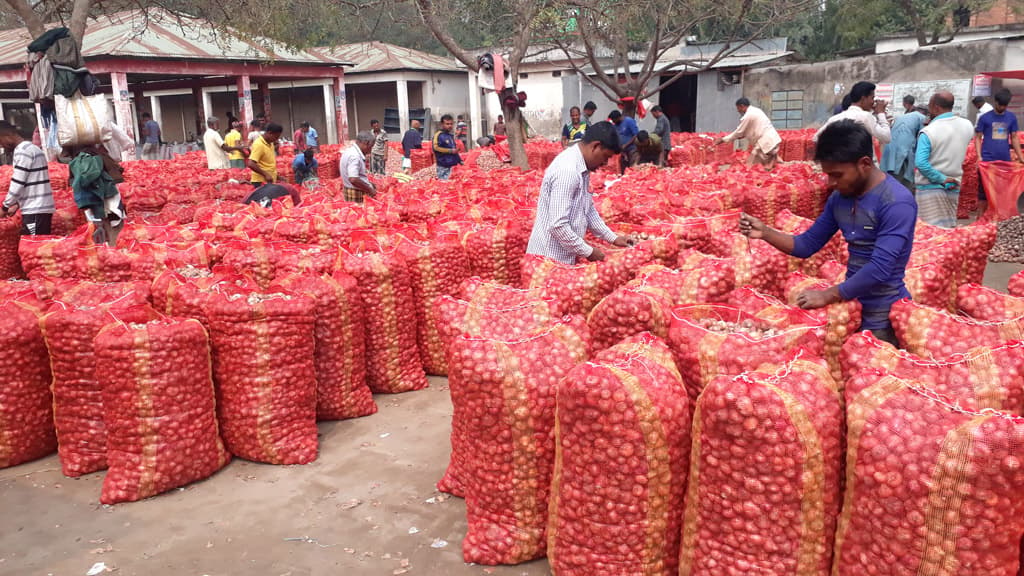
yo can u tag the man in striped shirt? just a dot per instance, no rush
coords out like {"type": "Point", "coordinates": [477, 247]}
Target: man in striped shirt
{"type": "Point", "coordinates": [565, 209]}
{"type": "Point", "coordinates": [30, 184]}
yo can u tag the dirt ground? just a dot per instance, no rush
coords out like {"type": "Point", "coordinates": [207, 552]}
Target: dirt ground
{"type": "Point", "coordinates": [364, 507]}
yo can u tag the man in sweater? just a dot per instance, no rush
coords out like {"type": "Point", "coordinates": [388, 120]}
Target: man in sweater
{"type": "Point", "coordinates": [982, 106]}
{"type": "Point", "coordinates": [757, 129]}
{"type": "Point", "coordinates": [941, 148]}
{"type": "Point", "coordinates": [30, 189]}
{"type": "Point", "coordinates": [663, 128]}
{"type": "Point", "coordinates": [866, 111]}
{"type": "Point", "coordinates": [876, 215]}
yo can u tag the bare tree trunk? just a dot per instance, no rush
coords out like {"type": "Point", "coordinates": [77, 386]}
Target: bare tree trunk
{"type": "Point", "coordinates": [28, 16]}
{"type": "Point", "coordinates": [515, 130]}
{"type": "Point", "coordinates": [79, 18]}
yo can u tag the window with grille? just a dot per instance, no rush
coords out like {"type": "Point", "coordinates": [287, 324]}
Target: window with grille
{"type": "Point", "coordinates": [788, 109]}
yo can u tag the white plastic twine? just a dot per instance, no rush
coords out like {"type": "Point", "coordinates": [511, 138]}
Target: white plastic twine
{"type": "Point", "coordinates": [785, 370]}
{"type": "Point", "coordinates": [715, 309]}
{"type": "Point", "coordinates": [953, 405]}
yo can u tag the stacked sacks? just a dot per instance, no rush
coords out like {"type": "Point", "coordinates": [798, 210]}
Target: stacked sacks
{"type": "Point", "coordinates": [159, 409]}
{"type": "Point", "coordinates": [714, 340]}
{"type": "Point", "coordinates": [984, 377]}
{"type": "Point", "coordinates": [504, 391]}
{"type": "Point", "coordinates": [622, 437]}
{"type": "Point", "coordinates": [935, 333]}
{"type": "Point", "coordinates": [264, 366]}
{"type": "Point", "coordinates": [392, 357]}
{"type": "Point", "coordinates": [69, 328]}
{"type": "Point", "coordinates": [764, 483]}
{"type": "Point", "coordinates": [26, 404]}
{"type": "Point", "coordinates": [931, 487]}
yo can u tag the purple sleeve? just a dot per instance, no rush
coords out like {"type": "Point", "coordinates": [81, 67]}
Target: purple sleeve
{"type": "Point", "coordinates": [824, 228]}
{"type": "Point", "coordinates": [896, 231]}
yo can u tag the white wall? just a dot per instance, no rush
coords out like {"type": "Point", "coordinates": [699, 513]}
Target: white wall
{"type": "Point", "coordinates": [716, 109]}
{"type": "Point", "coordinates": [446, 93]}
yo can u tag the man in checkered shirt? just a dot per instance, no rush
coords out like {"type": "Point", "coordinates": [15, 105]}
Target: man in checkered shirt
{"type": "Point", "coordinates": [565, 210]}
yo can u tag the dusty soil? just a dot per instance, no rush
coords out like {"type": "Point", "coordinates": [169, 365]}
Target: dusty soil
{"type": "Point", "coordinates": [361, 508]}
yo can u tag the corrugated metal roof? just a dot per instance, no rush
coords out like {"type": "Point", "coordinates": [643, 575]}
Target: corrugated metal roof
{"type": "Point", "coordinates": [381, 57]}
{"type": "Point", "coordinates": [155, 34]}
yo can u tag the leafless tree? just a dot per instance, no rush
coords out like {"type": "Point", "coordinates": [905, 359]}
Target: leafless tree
{"type": "Point", "coordinates": [521, 16]}
{"type": "Point", "coordinates": [620, 47]}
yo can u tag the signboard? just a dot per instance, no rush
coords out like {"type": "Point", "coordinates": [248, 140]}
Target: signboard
{"type": "Point", "coordinates": [923, 90]}
{"type": "Point", "coordinates": [982, 85]}
{"type": "Point", "coordinates": [883, 92]}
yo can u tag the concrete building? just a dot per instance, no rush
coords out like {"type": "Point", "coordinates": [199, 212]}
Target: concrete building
{"type": "Point", "coordinates": [181, 72]}
{"type": "Point", "coordinates": [804, 95]}
{"type": "Point", "coordinates": [553, 86]}
{"type": "Point", "coordinates": [386, 76]}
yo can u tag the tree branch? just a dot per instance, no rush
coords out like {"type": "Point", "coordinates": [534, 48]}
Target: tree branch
{"type": "Point", "coordinates": [440, 31]}
{"type": "Point", "coordinates": [36, 26]}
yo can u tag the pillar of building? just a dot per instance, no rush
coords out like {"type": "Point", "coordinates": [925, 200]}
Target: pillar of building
{"type": "Point", "coordinates": [208, 108]}
{"type": "Point", "coordinates": [265, 95]}
{"type": "Point", "coordinates": [475, 120]}
{"type": "Point", "coordinates": [403, 105]}
{"type": "Point", "coordinates": [340, 107]}
{"type": "Point", "coordinates": [200, 117]}
{"type": "Point", "coordinates": [154, 109]}
{"type": "Point", "coordinates": [123, 109]}
{"type": "Point", "coordinates": [245, 103]}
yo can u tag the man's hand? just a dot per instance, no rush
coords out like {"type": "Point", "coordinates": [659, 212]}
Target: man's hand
{"type": "Point", "coordinates": [5, 211]}
{"type": "Point", "coordinates": [717, 141]}
{"type": "Point", "coordinates": [596, 256]}
{"type": "Point", "coordinates": [880, 106]}
{"type": "Point", "coordinates": [624, 241]}
{"type": "Point", "coordinates": [811, 299]}
{"type": "Point", "coordinates": [751, 227]}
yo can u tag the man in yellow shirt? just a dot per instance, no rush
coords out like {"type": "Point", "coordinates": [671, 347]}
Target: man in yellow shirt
{"type": "Point", "coordinates": [233, 139]}
{"type": "Point", "coordinates": [263, 158]}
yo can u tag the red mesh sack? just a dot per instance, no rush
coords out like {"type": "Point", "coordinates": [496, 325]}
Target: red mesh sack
{"type": "Point", "coordinates": [49, 256]}
{"type": "Point", "coordinates": [982, 303]}
{"type": "Point", "coordinates": [700, 278]}
{"type": "Point", "coordinates": [841, 319]}
{"type": "Point", "coordinates": [10, 237]}
{"type": "Point", "coordinates": [159, 407]}
{"type": "Point", "coordinates": [711, 340]}
{"type": "Point", "coordinates": [1003, 182]}
{"type": "Point", "coordinates": [78, 411]}
{"type": "Point", "coordinates": [759, 265]}
{"type": "Point", "coordinates": [340, 353]}
{"type": "Point", "coordinates": [26, 404]}
{"type": "Point", "coordinates": [632, 309]}
{"type": "Point", "coordinates": [461, 318]}
{"type": "Point", "coordinates": [930, 488]}
{"type": "Point", "coordinates": [436, 268]}
{"type": "Point", "coordinates": [982, 377]}
{"type": "Point", "coordinates": [184, 292]}
{"type": "Point", "coordinates": [392, 356]}
{"type": "Point", "coordinates": [101, 263]}
{"type": "Point", "coordinates": [835, 249]}
{"type": "Point", "coordinates": [489, 294]}
{"type": "Point", "coordinates": [264, 368]}
{"type": "Point", "coordinates": [1015, 286]}
{"type": "Point", "coordinates": [579, 288]}
{"type": "Point", "coordinates": [255, 257]}
{"type": "Point", "coordinates": [622, 441]}
{"type": "Point", "coordinates": [764, 483]}
{"type": "Point", "coordinates": [935, 333]}
{"type": "Point", "coordinates": [304, 258]}
{"type": "Point", "coordinates": [504, 393]}
{"type": "Point", "coordinates": [149, 259]}
{"type": "Point", "coordinates": [978, 239]}
{"type": "Point", "coordinates": [968, 201]}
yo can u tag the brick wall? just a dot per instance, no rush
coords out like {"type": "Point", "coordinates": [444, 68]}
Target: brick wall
{"type": "Point", "coordinates": [999, 14]}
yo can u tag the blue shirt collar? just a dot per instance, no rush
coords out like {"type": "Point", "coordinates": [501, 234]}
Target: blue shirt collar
{"type": "Point", "coordinates": [941, 116]}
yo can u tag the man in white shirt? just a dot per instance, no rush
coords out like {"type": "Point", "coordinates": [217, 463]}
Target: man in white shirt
{"type": "Point", "coordinates": [353, 168]}
{"type": "Point", "coordinates": [216, 149]}
{"type": "Point", "coordinates": [119, 143]}
{"type": "Point", "coordinates": [981, 106]}
{"type": "Point", "coordinates": [565, 209]}
{"type": "Point", "coordinates": [757, 129]}
{"type": "Point", "coordinates": [866, 111]}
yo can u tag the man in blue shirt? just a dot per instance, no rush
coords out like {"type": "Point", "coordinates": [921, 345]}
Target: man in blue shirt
{"type": "Point", "coordinates": [305, 166]}
{"type": "Point", "coordinates": [628, 131]}
{"type": "Point", "coordinates": [876, 215]}
{"type": "Point", "coordinates": [996, 131]}
{"type": "Point", "coordinates": [898, 154]}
